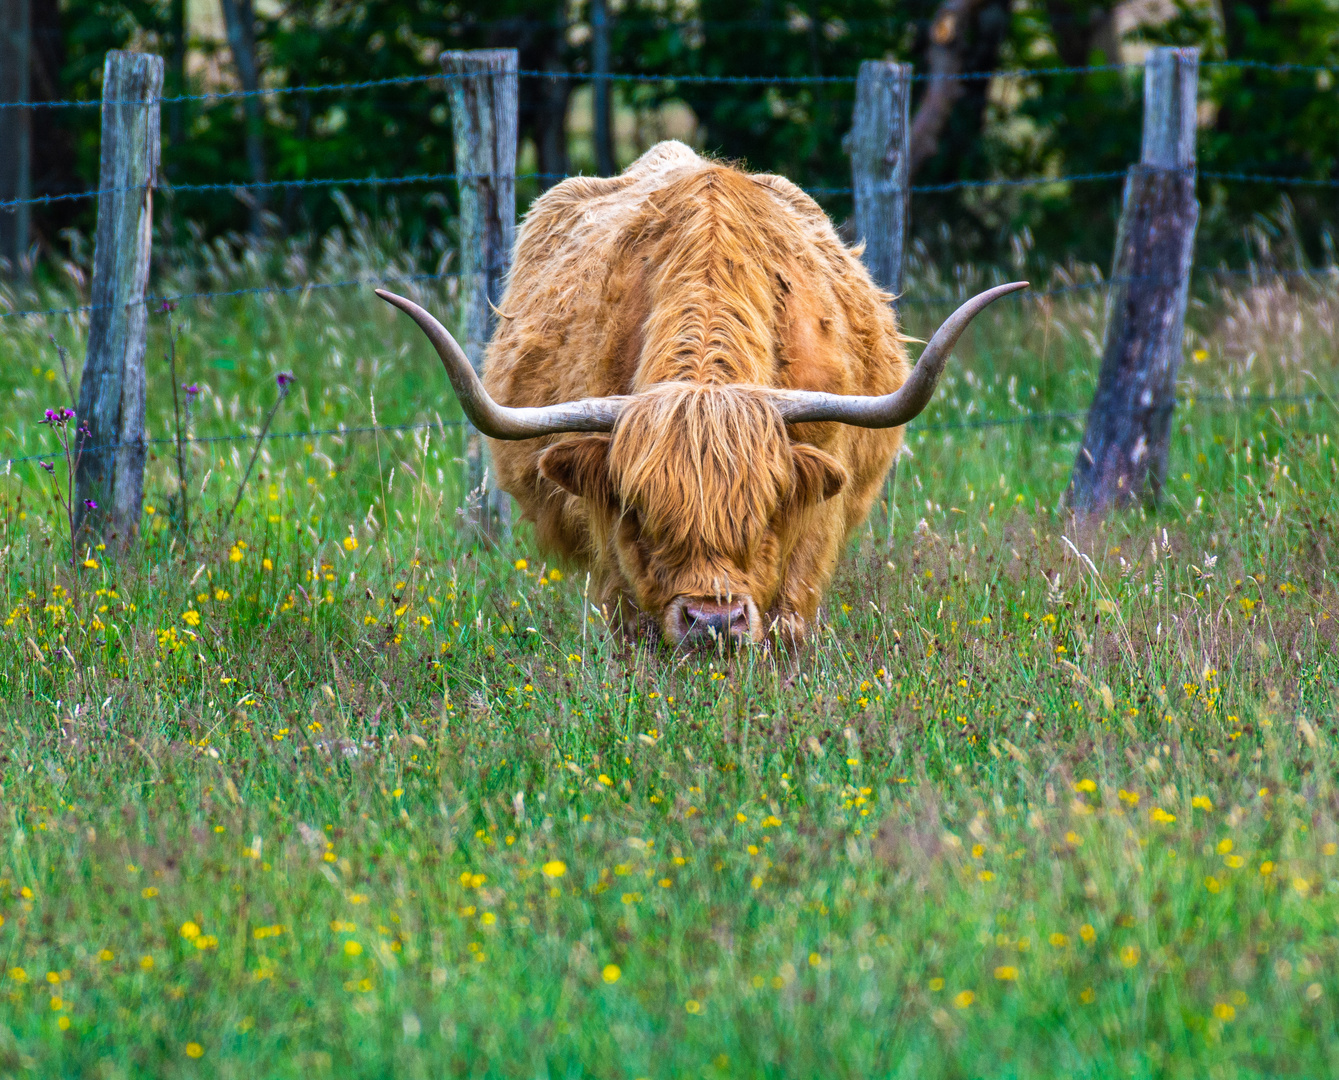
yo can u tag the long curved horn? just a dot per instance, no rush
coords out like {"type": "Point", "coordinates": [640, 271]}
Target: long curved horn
{"type": "Point", "coordinates": [904, 404]}
{"type": "Point", "coordinates": [498, 421]}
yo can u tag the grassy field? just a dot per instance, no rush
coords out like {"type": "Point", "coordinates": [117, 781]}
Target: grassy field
{"type": "Point", "coordinates": [339, 789]}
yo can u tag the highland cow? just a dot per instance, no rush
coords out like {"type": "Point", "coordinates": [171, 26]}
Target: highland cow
{"type": "Point", "coordinates": [695, 390]}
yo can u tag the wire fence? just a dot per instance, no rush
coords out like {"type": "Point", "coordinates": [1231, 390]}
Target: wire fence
{"type": "Point", "coordinates": [1244, 403]}
{"type": "Point", "coordinates": [1330, 276]}
{"type": "Point", "coordinates": [237, 187]}
{"type": "Point", "coordinates": [161, 302]}
{"type": "Point", "coordinates": [686, 79]}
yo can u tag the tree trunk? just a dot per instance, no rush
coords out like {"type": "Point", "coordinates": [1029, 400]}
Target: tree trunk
{"type": "Point", "coordinates": [965, 36]}
{"type": "Point", "coordinates": [548, 124]}
{"type": "Point", "coordinates": [945, 56]}
{"type": "Point", "coordinates": [603, 97]}
{"type": "Point", "coordinates": [53, 155]}
{"type": "Point", "coordinates": [15, 129]}
{"type": "Point", "coordinates": [240, 20]}
{"type": "Point", "coordinates": [177, 84]}
{"type": "Point", "coordinates": [1082, 28]}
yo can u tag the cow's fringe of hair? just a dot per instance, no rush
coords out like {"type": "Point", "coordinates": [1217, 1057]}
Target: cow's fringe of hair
{"type": "Point", "coordinates": [720, 450]}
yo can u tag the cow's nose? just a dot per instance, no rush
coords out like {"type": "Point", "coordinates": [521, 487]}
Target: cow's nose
{"type": "Point", "coordinates": [713, 620]}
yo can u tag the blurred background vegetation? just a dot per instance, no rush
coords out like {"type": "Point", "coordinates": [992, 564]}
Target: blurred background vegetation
{"type": "Point", "coordinates": [1281, 123]}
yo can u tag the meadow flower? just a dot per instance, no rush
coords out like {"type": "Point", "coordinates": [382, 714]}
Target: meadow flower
{"type": "Point", "coordinates": [554, 868]}
{"type": "Point", "coordinates": [963, 999]}
{"type": "Point", "coordinates": [194, 1050]}
{"type": "Point", "coordinates": [611, 973]}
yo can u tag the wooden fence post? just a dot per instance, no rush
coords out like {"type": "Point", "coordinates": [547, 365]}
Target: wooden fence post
{"type": "Point", "coordinates": [482, 86]}
{"type": "Point", "coordinates": [111, 391]}
{"type": "Point", "coordinates": [880, 149]}
{"type": "Point", "coordinates": [15, 127]}
{"type": "Point", "coordinates": [1123, 459]}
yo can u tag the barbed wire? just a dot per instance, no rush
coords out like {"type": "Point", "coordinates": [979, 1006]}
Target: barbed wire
{"type": "Point", "coordinates": [170, 189]}
{"type": "Point", "coordinates": [656, 78]}
{"type": "Point", "coordinates": [817, 190]}
{"type": "Point", "coordinates": [904, 301]}
{"type": "Point", "coordinates": [269, 436]}
{"type": "Point", "coordinates": [1263, 178]}
{"type": "Point", "coordinates": [1251, 401]}
{"type": "Point", "coordinates": [255, 290]}
{"type": "Point", "coordinates": [1331, 274]}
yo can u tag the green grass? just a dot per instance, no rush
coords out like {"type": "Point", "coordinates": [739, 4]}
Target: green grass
{"type": "Point", "coordinates": [1040, 799]}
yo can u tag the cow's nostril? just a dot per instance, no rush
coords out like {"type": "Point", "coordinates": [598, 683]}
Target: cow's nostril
{"type": "Point", "coordinates": [703, 619]}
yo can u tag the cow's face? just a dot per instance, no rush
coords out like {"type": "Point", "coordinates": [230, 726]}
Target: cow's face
{"type": "Point", "coordinates": [691, 495]}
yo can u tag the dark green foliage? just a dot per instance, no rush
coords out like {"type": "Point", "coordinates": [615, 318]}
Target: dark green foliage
{"type": "Point", "coordinates": [1253, 120]}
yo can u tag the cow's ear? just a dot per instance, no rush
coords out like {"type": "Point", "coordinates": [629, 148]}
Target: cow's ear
{"type": "Point", "coordinates": [818, 475]}
{"type": "Point", "coordinates": [580, 466]}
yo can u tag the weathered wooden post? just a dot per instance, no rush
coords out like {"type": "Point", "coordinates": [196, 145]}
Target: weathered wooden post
{"type": "Point", "coordinates": [1123, 458]}
{"type": "Point", "coordinates": [482, 86]}
{"type": "Point", "coordinates": [111, 391]}
{"type": "Point", "coordinates": [15, 127]}
{"type": "Point", "coordinates": [880, 149]}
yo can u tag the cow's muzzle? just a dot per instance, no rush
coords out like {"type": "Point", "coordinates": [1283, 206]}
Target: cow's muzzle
{"type": "Point", "coordinates": [709, 621]}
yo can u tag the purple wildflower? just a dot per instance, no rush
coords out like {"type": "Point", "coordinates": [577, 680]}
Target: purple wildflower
{"type": "Point", "coordinates": [166, 306]}
{"type": "Point", "coordinates": [191, 389]}
{"type": "Point", "coordinates": [90, 504]}
{"type": "Point", "coordinates": [285, 379]}
{"type": "Point", "coordinates": [47, 466]}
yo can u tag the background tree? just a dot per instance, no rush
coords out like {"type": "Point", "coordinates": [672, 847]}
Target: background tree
{"type": "Point", "coordinates": [1254, 120]}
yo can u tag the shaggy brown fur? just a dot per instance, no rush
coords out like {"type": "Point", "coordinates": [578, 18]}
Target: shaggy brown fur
{"type": "Point", "coordinates": [689, 284]}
